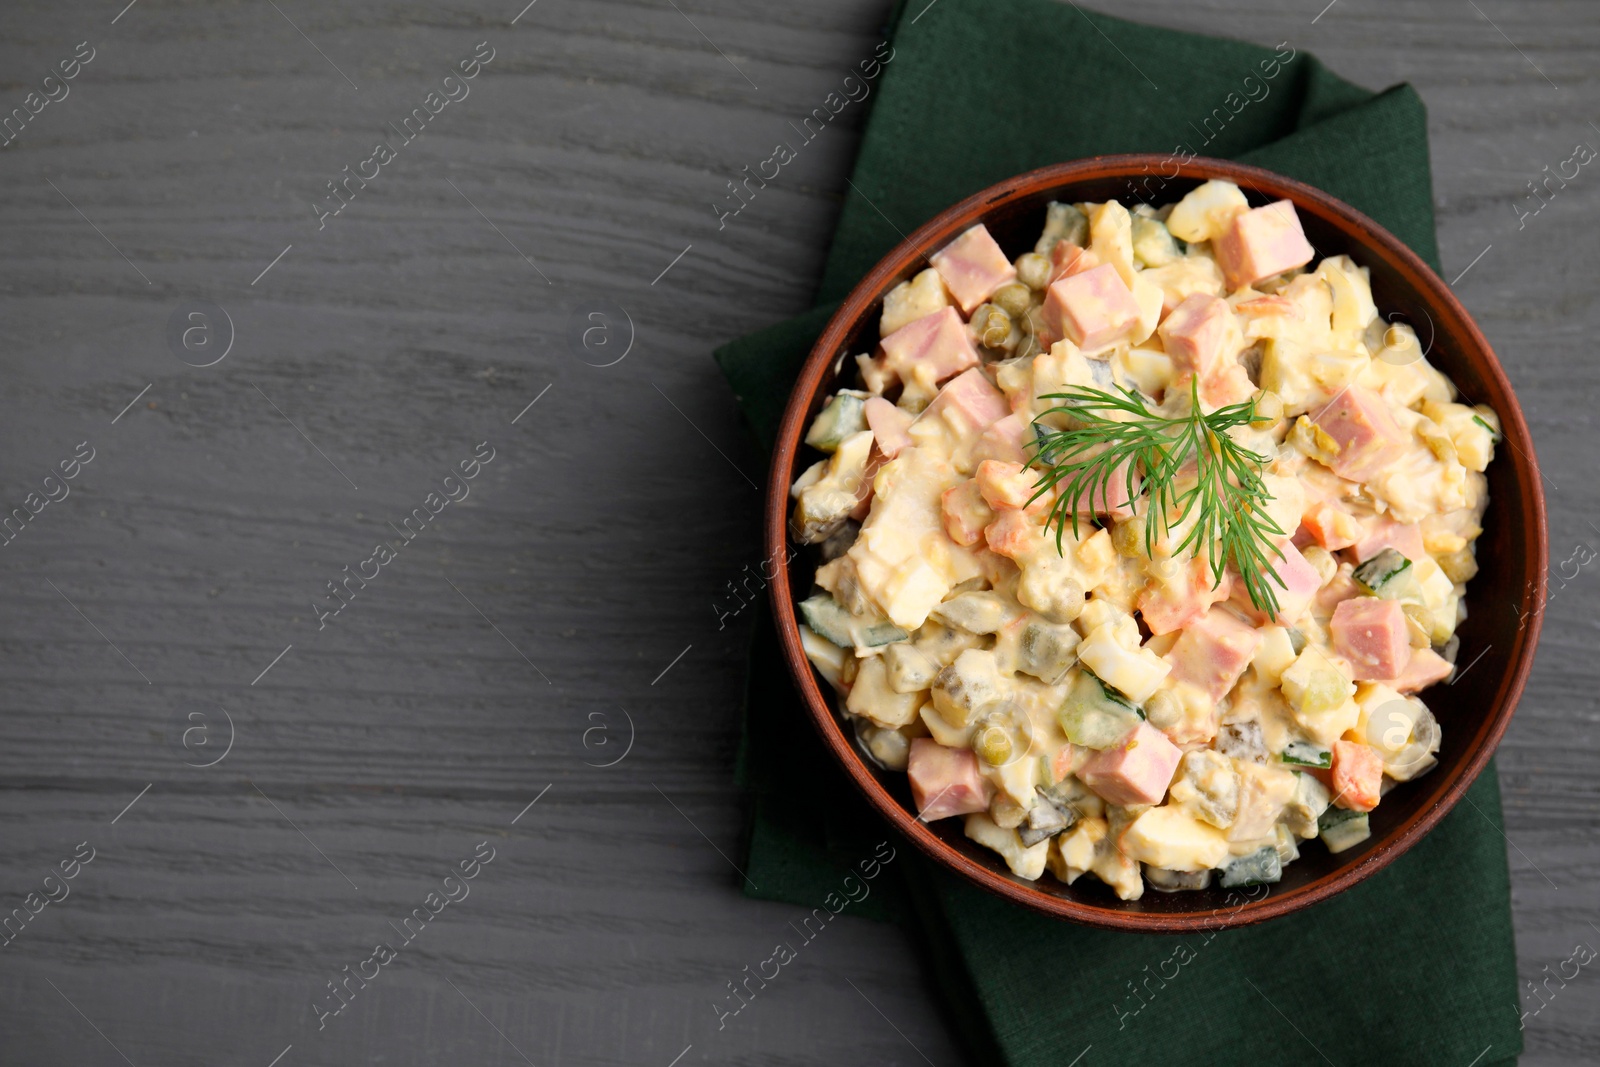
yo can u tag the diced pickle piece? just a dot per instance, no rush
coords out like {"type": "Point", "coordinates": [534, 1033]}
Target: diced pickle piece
{"type": "Point", "coordinates": [1341, 829]}
{"type": "Point", "coordinates": [1242, 740]}
{"type": "Point", "coordinates": [1047, 650]}
{"type": "Point", "coordinates": [1165, 881]}
{"type": "Point", "coordinates": [1261, 867]}
{"type": "Point", "coordinates": [942, 643]}
{"type": "Point", "coordinates": [1044, 820]}
{"type": "Point", "coordinates": [831, 489]}
{"type": "Point", "coordinates": [910, 669]}
{"type": "Point", "coordinates": [1310, 800]}
{"type": "Point", "coordinates": [842, 417]}
{"type": "Point", "coordinates": [1049, 586]}
{"type": "Point", "coordinates": [1153, 243]}
{"type": "Point", "coordinates": [965, 686]}
{"type": "Point", "coordinates": [979, 613]}
{"type": "Point", "coordinates": [1062, 222]}
{"type": "Point", "coordinates": [1208, 786]}
{"type": "Point", "coordinates": [909, 301]}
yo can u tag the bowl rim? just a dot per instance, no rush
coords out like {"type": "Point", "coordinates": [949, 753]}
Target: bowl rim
{"type": "Point", "coordinates": [1435, 295]}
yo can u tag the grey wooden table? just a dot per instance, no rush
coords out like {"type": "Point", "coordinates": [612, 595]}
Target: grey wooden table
{"type": "Point", "coordinates": [173, 596]}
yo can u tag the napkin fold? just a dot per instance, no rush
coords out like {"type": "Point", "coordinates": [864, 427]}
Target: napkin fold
{"type": "Point", "coordinates": [1415, 965]}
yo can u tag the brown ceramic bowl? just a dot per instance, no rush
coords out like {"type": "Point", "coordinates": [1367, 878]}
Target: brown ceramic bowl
{"type": "Point", "coordinates": [1497, 639]}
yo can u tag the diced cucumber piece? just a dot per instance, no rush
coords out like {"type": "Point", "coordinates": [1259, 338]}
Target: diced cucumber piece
{"type": "Point", "coordinates": [844, 415]}
{"type": "Point", "coordinates": [1341, 829]}
{"type": "Point", "coordinates": [1153, 243]}
{"type": "Point", "coordinates": [1165, 881]}
{"type": "Point", "coordinates": [1307, 754]}
{"type": "Point", "coordinates": [1494, 434]}
{"type": "Point", "coordinates": [825, 616]}
{"type": "Point", "coordinates": [1062, 222]}
{"type": "Point", "coordinates": [1047, 650]}
{"type": "Point", "coordinates": [1096, 716]}
{"type": "Point", "coordinates": [1261, 867]}
{"type": "Point", "coordinates": [1297, 640]}
{"type": "Point", "coordinates": [1388, 575]}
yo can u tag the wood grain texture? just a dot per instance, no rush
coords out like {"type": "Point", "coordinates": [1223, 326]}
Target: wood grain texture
{"type": "Point", "coordinates": [408, 330]}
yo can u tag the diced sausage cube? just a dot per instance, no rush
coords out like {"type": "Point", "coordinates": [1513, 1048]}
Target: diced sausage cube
{"type": "Point", "coordinates": [1006, 485]}
{"type": "Point", "coordinates": [1189, 593]}
{"type": "Point", "coordinates": [1330, 525]}
{"type": "Point", "coordinates": [1230, 385]}
{"type": "Point", "coordinates": [1136, 771]}
{"type": "Point", "coordinates": [969, 404]}
{"type": "Point", "coordinates": [889, 426]}
{"type": "Point", "coordinates": [965, 513]}
{"type": "Point", "coordinates": [1357, 775]}
{"type": "Point", "coordinates": [1005, 440]}
{"type": "Point", "coordinates": [973, 267]}
{"type": "Point", "coordinates": [1214, 651]}
{"type": "Point", "coordinates": [1423, 669]}
{"type": "Point", "coordinates": [1268, 307]}
{"type": "Point", "coordinates": [1067, 259]}
{"type": "Point", "coordinates": [1113, 499]}
{"type": "Point", "coordinates": [1336, 592]}
{"type": "Point", "coordinates": [1371, 634]}
{"type": "Point", "coordinates": [1014, 535]}
{"type": "Point", "coordinates": [1404, 538]}
{"type": "Point", "coordinates": [1093, 310]}
{"type": "Point", "coordinates": [1260, 243]}
{"type": "Point", "coordinates": [930, 349]}
{"type": "Point", "coordinates": [945, 781]}
{"type": "Point", "coordinates": [1366, 435]}
{"type": "Point", "coordinates": [1297, 584]}
{"type": "Point", "coordinates": [1201, 335]}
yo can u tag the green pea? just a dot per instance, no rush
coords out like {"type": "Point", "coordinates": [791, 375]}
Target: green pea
{"type": "Point", "coordinates": [992, 744]}
{"type": "Point", "coordinates": [1014, 298]}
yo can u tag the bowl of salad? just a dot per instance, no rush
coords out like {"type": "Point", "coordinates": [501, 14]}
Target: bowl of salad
{"type": "Point", "coordinates": [1140, 531]}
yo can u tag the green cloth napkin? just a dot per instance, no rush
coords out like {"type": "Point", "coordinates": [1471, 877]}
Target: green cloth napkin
{"type": "Point", "coordinates": [1414, 966]}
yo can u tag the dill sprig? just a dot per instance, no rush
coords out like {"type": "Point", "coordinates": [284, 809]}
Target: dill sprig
{"type": "Point", "coordinates": [1118, 430]}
